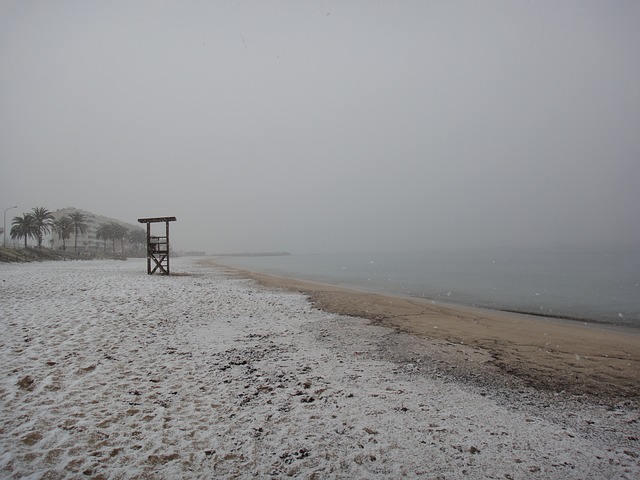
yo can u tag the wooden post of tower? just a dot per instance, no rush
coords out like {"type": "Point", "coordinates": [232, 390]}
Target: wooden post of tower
{"type": "Point", "coordinates": [158, 246]}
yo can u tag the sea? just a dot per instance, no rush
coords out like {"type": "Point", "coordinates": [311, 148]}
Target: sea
{"type": "Point", "coordinates": [599, 285]}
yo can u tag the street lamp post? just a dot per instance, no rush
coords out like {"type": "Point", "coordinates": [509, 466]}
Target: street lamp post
{"type": "Point", "coordinates": [4, 226]}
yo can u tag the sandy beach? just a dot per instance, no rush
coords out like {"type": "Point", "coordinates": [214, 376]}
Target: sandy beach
{"type": "Point", "coordinates": [547, 353]}
{"type": "Point", "coordinates": [109, 373]}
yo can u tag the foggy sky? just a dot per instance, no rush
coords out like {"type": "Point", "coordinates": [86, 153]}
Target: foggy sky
{"type": "Point", "coordinates": [328, 126]}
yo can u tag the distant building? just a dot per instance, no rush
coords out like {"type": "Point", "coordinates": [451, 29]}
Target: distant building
{"type": "Point", "coordinates": [88, 241]}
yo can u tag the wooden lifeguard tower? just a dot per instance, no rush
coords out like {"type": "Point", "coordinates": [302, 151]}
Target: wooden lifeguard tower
{"type": "Point", "coordinates": [158, 246]}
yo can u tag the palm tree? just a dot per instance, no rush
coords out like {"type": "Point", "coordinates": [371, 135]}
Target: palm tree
{"type": "Point", "coordinates": [23, 227]}
{"type": "Point", "coordinates": [118, 232]}
{"type": "Point", "coordinates": [79, 224]}
{"type": "Point", "coordinates": [104, 232]}
{"type": "Point", "coordinates": [63, 226]}
{"type": "Point", "coordinates": [111, 231]}
{"type": "Point", "coordinates": [42, 219]}
{"type": "Point", "coordinates": [137, 237]}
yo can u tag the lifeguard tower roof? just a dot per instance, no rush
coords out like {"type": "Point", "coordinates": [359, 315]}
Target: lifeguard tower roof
{"type": "Point", "coordinates": [157, 219]}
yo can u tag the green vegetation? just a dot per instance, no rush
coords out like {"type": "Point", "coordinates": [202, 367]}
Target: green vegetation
{"type": "Point", "coordinates": [40, 221]}
{"type": "Point", "coordinates": [31, 254]}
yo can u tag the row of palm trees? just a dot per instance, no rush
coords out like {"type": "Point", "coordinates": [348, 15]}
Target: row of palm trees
{"type": "Point", "coordinates": [41, 221]}
{"type": "Point", "coordinates": [114, 231]}
{"type": "Point", "coordinates": [34, 224]}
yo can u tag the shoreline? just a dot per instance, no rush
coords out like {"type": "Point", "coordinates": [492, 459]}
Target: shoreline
{"type": "Point", "coordinates": [208, 373]}
{"type": "Point", "coordinates": [511, 348]}
{"type": "Point", "coordinates": [537, 283]}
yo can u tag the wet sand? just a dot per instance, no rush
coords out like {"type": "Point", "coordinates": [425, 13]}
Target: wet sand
{"type": "Point", "coordinates": [493, 346]}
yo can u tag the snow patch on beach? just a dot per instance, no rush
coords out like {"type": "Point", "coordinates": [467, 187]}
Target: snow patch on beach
{"type": "Point", "coordinates": [110, 373]}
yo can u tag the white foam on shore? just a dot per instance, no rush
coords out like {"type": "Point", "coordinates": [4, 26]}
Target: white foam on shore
{"type": "Point", "coordinates": [110, 373]}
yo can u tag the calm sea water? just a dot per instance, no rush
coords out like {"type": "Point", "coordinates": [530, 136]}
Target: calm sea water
{"type": "Point", "coordinates": [592, 285]}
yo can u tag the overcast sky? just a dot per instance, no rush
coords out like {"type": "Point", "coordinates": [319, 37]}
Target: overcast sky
{"type": "Point", "coordinates": [328, 126]}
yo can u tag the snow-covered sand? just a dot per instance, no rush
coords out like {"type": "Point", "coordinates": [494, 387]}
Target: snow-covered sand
{"type": "Point", "coordinates": [110, 373]}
